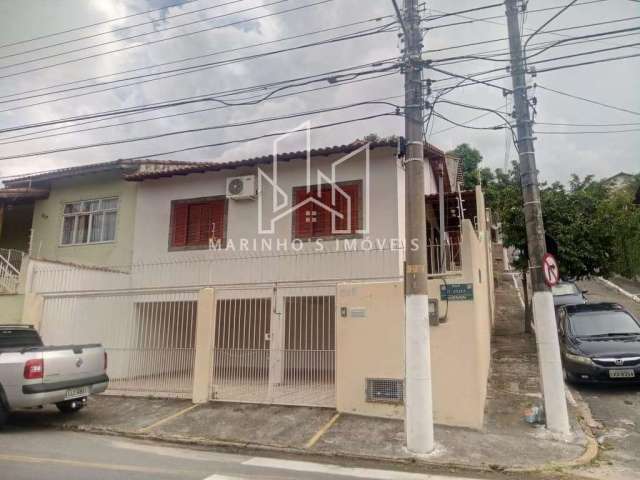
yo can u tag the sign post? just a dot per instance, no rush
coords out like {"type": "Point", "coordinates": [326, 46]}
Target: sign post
{"type": "Point", "coordinates": [551, 270]}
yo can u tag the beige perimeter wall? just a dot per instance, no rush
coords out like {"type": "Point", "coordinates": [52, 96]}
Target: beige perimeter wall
{"type": "Point", "coordinates": [372, 346]}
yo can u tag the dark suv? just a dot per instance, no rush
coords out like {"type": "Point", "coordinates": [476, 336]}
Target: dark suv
{"type": "Point", "coordinates": [599, 342]}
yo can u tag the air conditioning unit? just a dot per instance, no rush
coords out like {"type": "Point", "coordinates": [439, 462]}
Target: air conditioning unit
{"type": "Point", "coordinates": [241, 188]}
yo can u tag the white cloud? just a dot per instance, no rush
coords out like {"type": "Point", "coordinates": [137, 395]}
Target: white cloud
{"type": "Point", "coordinates": [558, 155]}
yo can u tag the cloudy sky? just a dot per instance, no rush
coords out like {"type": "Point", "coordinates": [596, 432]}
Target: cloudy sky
{"type": "Point", "coordinates": [41, 82]}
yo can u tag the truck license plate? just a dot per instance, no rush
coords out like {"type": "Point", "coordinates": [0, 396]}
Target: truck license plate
{"type": "Point", "coordinates": [76, 393]}
{"type": "Point", "coordinates": [623, 373]}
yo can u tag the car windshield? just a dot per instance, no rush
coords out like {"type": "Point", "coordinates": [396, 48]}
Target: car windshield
{"type": "Point", "coordinates": [564, 289]}
{"type": "Point", "coordinates": [603, 323]}
{"type": "Point", "coordinates": [19, 338]}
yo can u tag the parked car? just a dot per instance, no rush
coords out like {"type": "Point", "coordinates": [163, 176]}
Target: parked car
{"type": "Point", "coordinates": [567, 293]}
{"type": "Point", "coordinates": [600, 342]}
{"type": "Point", "coordinates": [32, 374]}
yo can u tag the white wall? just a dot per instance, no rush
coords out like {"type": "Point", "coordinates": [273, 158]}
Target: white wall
{"type": "Point", "coordinates": [153, 215]}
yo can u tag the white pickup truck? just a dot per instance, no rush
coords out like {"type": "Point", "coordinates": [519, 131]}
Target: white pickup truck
{"type": "Point", "coordinates": [32, 374]}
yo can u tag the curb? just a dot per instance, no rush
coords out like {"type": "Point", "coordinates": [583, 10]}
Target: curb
{"type": "Point", "coordinates": [590, 453]}
{"type": "Point", "coordinates": [619, 289]}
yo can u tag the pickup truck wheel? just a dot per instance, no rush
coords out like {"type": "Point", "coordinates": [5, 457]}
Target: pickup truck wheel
{"type": "Point", "coordinates": [3, 414]}
{"type": "Point", "coordinates": [72, 406]}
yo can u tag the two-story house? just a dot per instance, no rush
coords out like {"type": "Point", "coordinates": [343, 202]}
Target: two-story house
{"type": "Point", "coordinates": [276, 280]}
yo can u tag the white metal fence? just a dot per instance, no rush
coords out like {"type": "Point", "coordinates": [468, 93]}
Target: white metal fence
{"type": "Point", "coordinates": [149, 337]}
{"type": "Point", "coordinates": [221, 268]}
{"type": "Point", "coordinates": [275, 346]}
{"type": "Point", "coordinates": [10, 265]}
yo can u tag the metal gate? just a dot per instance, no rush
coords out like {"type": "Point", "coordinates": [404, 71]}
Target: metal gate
{"type": "Point", "coordinates": [149, 337]}
{"type": "Point", "coordinates": [275, 345]}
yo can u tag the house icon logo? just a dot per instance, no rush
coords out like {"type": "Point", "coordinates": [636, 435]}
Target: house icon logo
{"type": "Point", "coordinates": [282, 204]}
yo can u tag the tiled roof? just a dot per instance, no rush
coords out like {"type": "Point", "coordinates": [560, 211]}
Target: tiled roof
{"type": "Point", "coordinates": [431, 151]}
{"type": "Point", "coordinates": [90, 168]}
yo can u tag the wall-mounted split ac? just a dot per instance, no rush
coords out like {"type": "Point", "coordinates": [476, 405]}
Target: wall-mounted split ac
{"type": "Point", "coordinates": [241, 188]}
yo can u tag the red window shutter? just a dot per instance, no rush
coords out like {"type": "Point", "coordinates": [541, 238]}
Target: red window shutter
{"type": "Point", "coordinates": [304, 219]}
{"type": "Point", "coordinates": [179, 228]}
{"type": "Point", "coordinates": [348, 224]}
{"type": "Point", "coordinates": [322, 226]}
{"type": "Point", "coordinates": [193, 224]}
{"type": "Point", "coordinates": [354, 193]}
{"type": "Point", "coordinates": [215, 226]}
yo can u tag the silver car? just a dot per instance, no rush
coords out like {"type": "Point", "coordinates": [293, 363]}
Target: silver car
{"type": "Point", "coordinates": [32, 374]}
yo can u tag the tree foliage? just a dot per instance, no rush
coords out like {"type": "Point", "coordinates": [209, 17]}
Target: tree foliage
{"type": "Point", "coordinates": [597, 230]}
{"type": "Point", "coordinates": [471, 159]}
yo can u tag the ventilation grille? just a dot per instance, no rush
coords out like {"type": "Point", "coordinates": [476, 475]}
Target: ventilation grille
{"type": "Point", "coordinates": [385, 390]}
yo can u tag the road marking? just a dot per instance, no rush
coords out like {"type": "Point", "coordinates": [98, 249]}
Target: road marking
{"type": "Point", "coordinates": [94, 465]}
{"type": "Point", "coordinates": [332, 470]}
{"type": "Point", "coordinates": [322, 431]}
{"type": "Point", "coordinates": [170, 417]}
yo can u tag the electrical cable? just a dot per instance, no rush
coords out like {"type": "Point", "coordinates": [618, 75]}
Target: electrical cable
{"type": "Point", "coordinates": [553, 17]}
{"type": "Point", "coordinates": [182, 35]}
{"type": "Point", "coordinates": [332, 76]}
{"type": "Point", "coordinates": [200, 129]}
{"type": "Point", "coordinates": [183, 70]}
{"type": "Point", "coordinates": [152, 22]}
{"type": "Point", "coordinates": [260, 137]}
{"type": "Point", "coordinates": [595, 102]}
{"type": "Point", "coordinates": [75, 29]}
{"type": "Point", "coordinates": [120, 124]}
{"type": "Point", "coordinates": [148, 67]}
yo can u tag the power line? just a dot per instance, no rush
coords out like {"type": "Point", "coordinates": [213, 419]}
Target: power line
{"type": "Point", "coordinates": [275, 97]}
{"type": "Point", "coordinates": [588, 124]}
{"type": "Point", "coordinates": [332, 76]}
{"type": "Point", "coordinates": [593, 62]}
{"type": "Point", "coordinates": [570, 132]}
{"type": "Point", "coordinates": [553, 17]}
{"type": "Point", "coordinates": [459, 12]}
{"type": "Point", "coordinates": [548, 32]}
{"type": "Point", "coordinates": [592, 35]}
{"type": "Point", "coordinates": [203, 129]}
{"type": "Point", "coordinates": [196, 57]}
{"type": "Point", "coordinates": [183, 70]}
{"type": "Point", "coordinates": [52, 45]}
{"type": "Point", "coordinates": [595, 102]}
{"type": "Point", "coordinates": [75, 29]}
{"type": "Point", "coordinates": [152, 42]}
{"type": "Point", "coordinates": [260, 137]}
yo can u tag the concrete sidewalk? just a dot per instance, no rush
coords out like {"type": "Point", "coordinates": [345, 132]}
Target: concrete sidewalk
{"type": "Point", "coordinates": [505, 443]}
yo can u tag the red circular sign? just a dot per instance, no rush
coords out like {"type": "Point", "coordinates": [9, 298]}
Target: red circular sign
{"type": "Point", "coordinates": [550, 269]}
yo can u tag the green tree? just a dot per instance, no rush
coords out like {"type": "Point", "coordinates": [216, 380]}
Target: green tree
{"type": "Point", "coordinates": [471, 159]}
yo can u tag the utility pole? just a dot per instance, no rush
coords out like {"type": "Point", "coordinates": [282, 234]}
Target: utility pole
{"type": "Point", "coordinates": [418, 401]}
{"type": "Point", "coordinates": [543, 310]}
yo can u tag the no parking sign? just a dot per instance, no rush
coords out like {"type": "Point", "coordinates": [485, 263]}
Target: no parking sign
{"type": "Point", "coordinates": [550, 269]}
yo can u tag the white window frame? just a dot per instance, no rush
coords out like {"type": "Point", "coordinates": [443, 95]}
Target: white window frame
{"type": "Point", "coordinates": [90, 223]}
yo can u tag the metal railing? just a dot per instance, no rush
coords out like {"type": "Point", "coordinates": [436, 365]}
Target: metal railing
{"type": "Point", "coordinates": [10, 265]}
{"type": "Point", "coordinates": [149, 337]}
{"type": "Point", "coordinates": [447, 260]}
{"type": "Point", "coordinates": [275, 346]}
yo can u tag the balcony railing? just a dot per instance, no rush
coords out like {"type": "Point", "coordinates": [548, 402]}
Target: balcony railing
{"type": "Point", "coordinates": [444, 260]}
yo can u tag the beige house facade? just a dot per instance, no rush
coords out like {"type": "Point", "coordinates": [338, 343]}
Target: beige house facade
{"type": "Point", "coordinates": [285, 293]}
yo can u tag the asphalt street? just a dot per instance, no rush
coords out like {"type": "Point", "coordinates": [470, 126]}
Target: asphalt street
{"type": "Point", "coordinates": [617, 408]}
{"type": "Point", "coordinates": [32, 453]}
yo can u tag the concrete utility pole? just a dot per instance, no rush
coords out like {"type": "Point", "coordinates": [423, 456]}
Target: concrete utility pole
{"type": "Point", "coordinates": [418, 401]}
{"type": "Point", "coordinates": [543, 311]}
